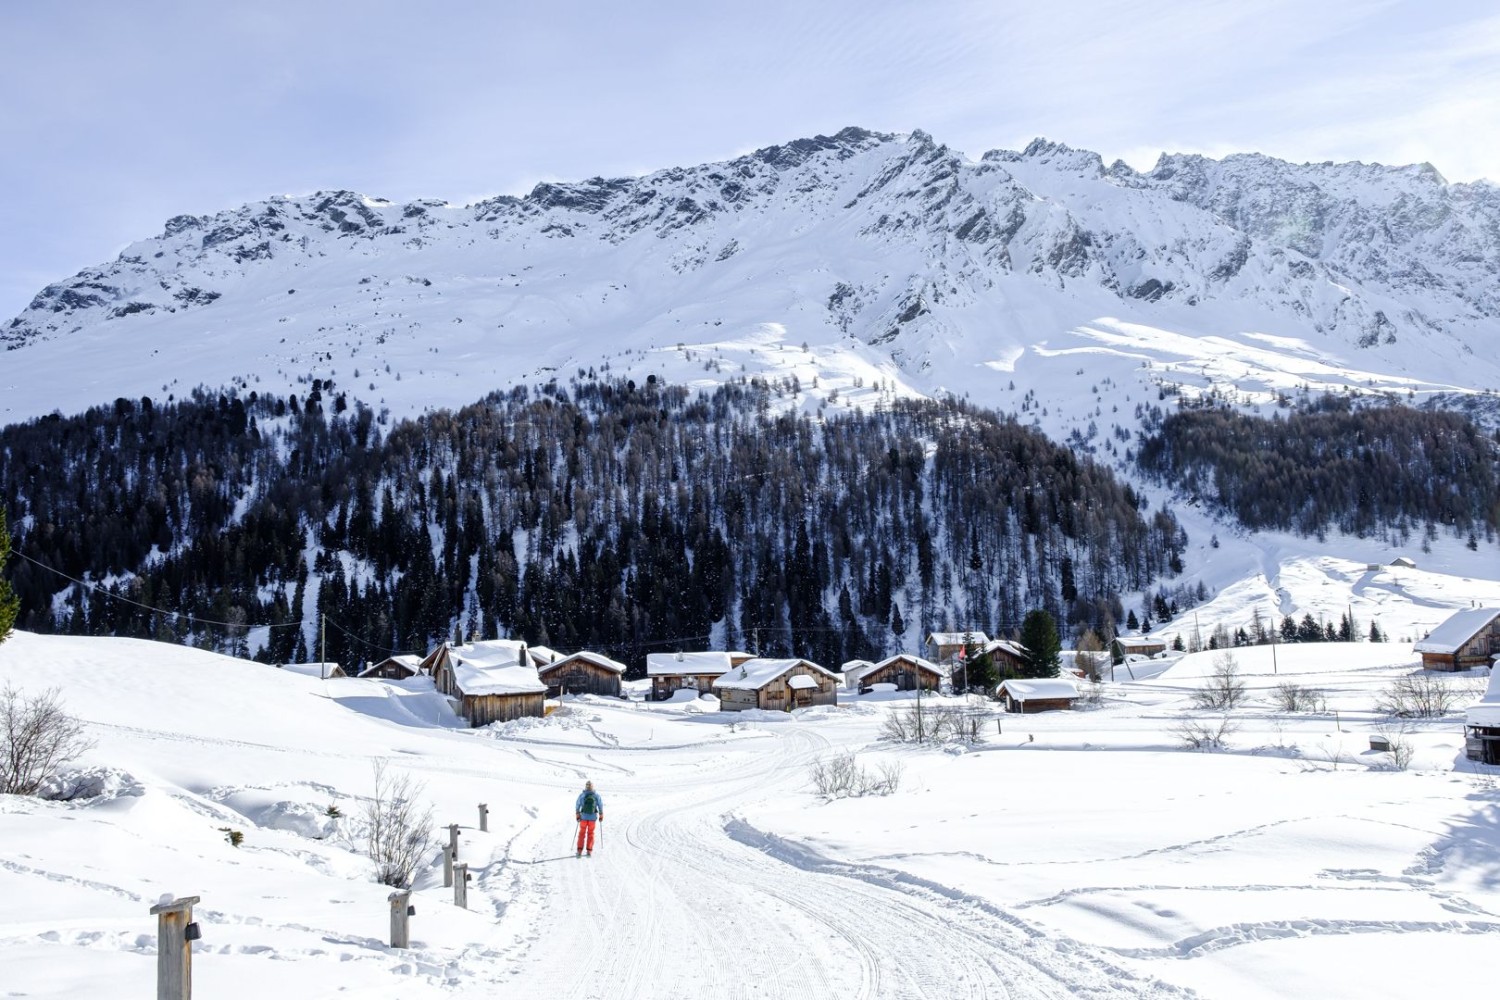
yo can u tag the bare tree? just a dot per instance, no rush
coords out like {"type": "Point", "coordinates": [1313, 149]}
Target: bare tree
{"type": "Point", "coordinates": [1223, 690]}
{"type": "Point", "coordinates": [399, 827]}
{"type": "Point", "coordinates": [1197, 734]}
{"type": "Point", "coordinates": [36, 738]}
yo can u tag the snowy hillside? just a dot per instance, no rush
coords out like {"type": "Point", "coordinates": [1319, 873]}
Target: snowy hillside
{"type": "Point", "coordinates": [1062, 855]}
{"type": "Point", "coordinates": [862, 262]}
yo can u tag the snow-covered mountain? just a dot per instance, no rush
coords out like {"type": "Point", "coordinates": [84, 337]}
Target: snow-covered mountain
{"type": "Point", "coordinates": [858, 262]}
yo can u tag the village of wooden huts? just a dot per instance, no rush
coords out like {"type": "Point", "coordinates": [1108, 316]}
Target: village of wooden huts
{"type": "Point", "coordinates": [904, 670]}
{"type": "Point", "coordinates": [1037, 694]}
{"type": "Point", "coordinates": [775, 685]}
{"type": "Point", "coordinates": [689, 671]}
{"type": "Point", "coordinates": [1467, 639]}
{"type": "Point", "coordinates": [1482, 722]}
{"type": "Point", "coordinates": [582, 673]}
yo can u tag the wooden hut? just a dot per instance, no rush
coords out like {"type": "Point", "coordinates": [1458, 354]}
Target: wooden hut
{"type": "Point", "coordinates": [321, 671]}
{"type": "Point", "coordinates": [1037, 695]}
{"type": "Point", "coordinates": [776, 685]}
{"type": "Point", "coordinates": [1482, 723]}
{"type": "Point", "coordinates": [673, 672]}
{"type": "Point", "coordinates": [1468, 639]}
{"type": "Point", "coordinates": [395, 668]}
{"type": "Point", "coordinates": [490, 681]}
{"type": "Point", "coordinates": [1135, 645]}
{"type": "Point", "coordinates": [943, 647]}
{"type": "Point", "coordinates": [904, 670]}
{"type": "Point", "coordinates": [1008, 657]}
{"type": "Point", "coordinates": [582, 673]}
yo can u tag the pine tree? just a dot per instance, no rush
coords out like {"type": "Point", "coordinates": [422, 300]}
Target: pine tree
{"type": "Point", "coordinates": [10, 604]}
{"type": "Point", "coordinates": [1039, 637]}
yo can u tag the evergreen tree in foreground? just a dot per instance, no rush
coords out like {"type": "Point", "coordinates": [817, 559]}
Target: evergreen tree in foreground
{"type": "Point", "coordinates": [10, 604]}
{"type": "Point", "coordinates": [1039, 636]}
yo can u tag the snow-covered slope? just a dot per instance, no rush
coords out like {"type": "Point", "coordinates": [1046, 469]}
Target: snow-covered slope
{"type": "Point", "coordinates": [900, 264]}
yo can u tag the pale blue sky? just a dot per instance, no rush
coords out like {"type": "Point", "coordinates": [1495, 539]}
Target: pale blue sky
{"type": "Point", "coordinates": [115, 116]}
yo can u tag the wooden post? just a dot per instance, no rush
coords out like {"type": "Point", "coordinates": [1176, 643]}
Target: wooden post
{"type": "Point", "coordinates": [484, 818]}
{"type": "Point", "coordinates": [461, 885]}
{"type": "Point", "coordinates": [453, 839]}
{"type": "Point", "coordinates": [401, 911]}
{"type": "Point", "coordinates": [447, 866]}
{"type": "Point", "coordinates": [174, 955]}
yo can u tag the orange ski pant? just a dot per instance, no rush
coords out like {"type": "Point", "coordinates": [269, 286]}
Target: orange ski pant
{"type": "Point", "coordinates": [586, 835]}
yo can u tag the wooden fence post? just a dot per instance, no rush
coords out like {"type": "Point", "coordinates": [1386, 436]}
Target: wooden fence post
{"type": "Point", "coordinates": [453, 839]}
{"type": "Point", "coordinates": [401, 911]}
{"type": "Point", "coordinates": [174, 953]}
{"type": "Point", "coordinates": [484, 818]}
{"type": "Point", "coordinates": [447, 866]}
{"type": "Point", "coordinates": [461, 885]}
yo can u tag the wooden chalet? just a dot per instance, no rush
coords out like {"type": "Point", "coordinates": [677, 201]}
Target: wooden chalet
{"type": "Point", "coordinates": [904, 670]}
{"type": "Point", "coordinates": [673, 672]}
{"type": "Point", "coordinates": [490, 681]}
{"type": "Point", "coordinates": [776, 685]}
{"type": "Point", "coordinates": [943, 647]}
{"type": "Point", "coordinates": [319, 671]}
{"type": "Point", "coordinates": [1404, 562]}
{"type": "Point", "coordinates": [1037, 695]}
{"type": "Point", "coordinates": [1482, 723]}
{"type": "Point", "coordinates": [1008, 657]}
{"type": "Point", "coordinates": [1136, 645]}
{"type": "Point", "coordinates": [1468, 639]}
{"type": "Point", "coordinates": [582, 673]}
{"type": "Point", "coordinates": [395, 668]}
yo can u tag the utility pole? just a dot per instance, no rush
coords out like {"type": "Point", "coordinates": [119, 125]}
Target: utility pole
{"type": "Point", "coordinates": [322, 646]}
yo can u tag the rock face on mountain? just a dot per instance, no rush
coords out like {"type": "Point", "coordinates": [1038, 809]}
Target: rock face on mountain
{"type": "Point", "coordinates": [894, 243]}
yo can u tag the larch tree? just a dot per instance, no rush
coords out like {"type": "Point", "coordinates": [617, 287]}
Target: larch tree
{"type": "Point", "coordinates": [10, 604]}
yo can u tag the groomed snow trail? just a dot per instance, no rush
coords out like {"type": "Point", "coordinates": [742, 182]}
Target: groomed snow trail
{"type": "Point", "coordinates": [672, 905]}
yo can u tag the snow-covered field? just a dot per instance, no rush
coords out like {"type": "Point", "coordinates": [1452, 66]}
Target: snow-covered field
{"type": "Point", "coordinates": [1082, 853]}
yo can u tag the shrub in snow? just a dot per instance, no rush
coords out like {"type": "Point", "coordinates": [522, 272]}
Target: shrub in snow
{"type": "Point", "coordinates": [1396, 735]}
{"type": "Point", "coordinates": [1419, 696]}
{"type": "Point", "coordinates": [1201, 734]}
{"type": "Point", "coordinates": [1223, 690]}
{"type": "Point", "coordinates": [235, 837]}
{"type": "Point", "coordinates": [842, 777]}
{"type": "Point", "coordinates": [1295, 698]}
{"type": "Point", "coordinates": [36, 738]}
{"type": "Point", "coordinates": [932, 724]}
{"type": "Point", "coordinates": [398, 827]}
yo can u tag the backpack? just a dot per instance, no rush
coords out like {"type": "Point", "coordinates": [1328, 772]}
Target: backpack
{"type": "Point", "coordinates": [590, 803]}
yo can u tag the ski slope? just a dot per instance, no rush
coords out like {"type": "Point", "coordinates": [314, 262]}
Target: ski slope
{"type": "Point", "coordinates": [1068, 854]}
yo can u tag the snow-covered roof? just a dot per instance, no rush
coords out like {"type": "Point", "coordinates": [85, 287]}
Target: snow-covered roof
{"type": "Point", "coordinates": [1039, 688]}
{"type": "Point", "coordinates": [541, 655]}
{"type": "Point", "coordinates": [410, 661]}
{"type": "Point", "coordinates": [1486, 711]}
{"type": "Point", "coordinates": [1140, 642]}
{"type": "Point", "coordinates": [491, 651]}
{"type": "Point", "coordinates": [1006, 646]}
{"type": "Point", "coordinates": [853, 673]}
{"type": "Point", "coordinates": [753, 675]}
{"type": "Point", "coordinates": [957, 638]}
{"type": "Point", "coordinates": [597, 659]}
{"type": "Point", "coordinates": [673, 664]}
{"type": "Point", "coordinates": [475, 677]}
{"type": "Point", "coordinates": [801, 682]}
{"type": "Point", "coordinates": [1457, 630]}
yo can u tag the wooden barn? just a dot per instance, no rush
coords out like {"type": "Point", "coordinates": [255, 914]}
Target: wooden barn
{"type": "Point", "coordinates": [490, 681]}
{"type": "Point", "coordinates": [673, 672]}
{"type": "Point", "coordinates": [582, 673]}
{"type": "Point", "coordinates": [322, 671]}
{"type": "Point", "coordinates": [1037, 695]}
{"type": "Point", "coordinates": [1468, 639]}
{"type": "Point", "coordinates": [776, 685]}
{"type": "Point", "coordinates": [904, 670]}
{"type": "Point", "coordinates": [1008, 657]}
{"type": "Point", "coordinates": [1482, 723]}
{"type": "Point", "coordinates": [395, 668]}
{"type": "Point", "coordinates": [1136, 645]}
{"type": "Point", "coordinates": [943, 647]}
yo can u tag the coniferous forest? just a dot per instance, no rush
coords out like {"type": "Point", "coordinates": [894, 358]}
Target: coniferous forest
{"type": "Point", "coordinates": [600, 514]}
{"type": "Point", "coordinates": [1364, 470]}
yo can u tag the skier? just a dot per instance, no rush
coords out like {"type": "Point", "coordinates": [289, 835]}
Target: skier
{"type": "Point", "coordinates": [588, 810]}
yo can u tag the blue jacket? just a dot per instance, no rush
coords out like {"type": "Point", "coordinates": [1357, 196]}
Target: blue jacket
{"type": "Point", "coordinates": [598, 801]}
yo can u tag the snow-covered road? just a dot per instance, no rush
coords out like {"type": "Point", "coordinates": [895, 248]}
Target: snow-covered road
{"type": "Point", "coordinates": [686, 900]}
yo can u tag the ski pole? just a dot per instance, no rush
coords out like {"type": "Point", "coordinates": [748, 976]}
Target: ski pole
{"type": "Point", "coordinates": [577, 835]}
